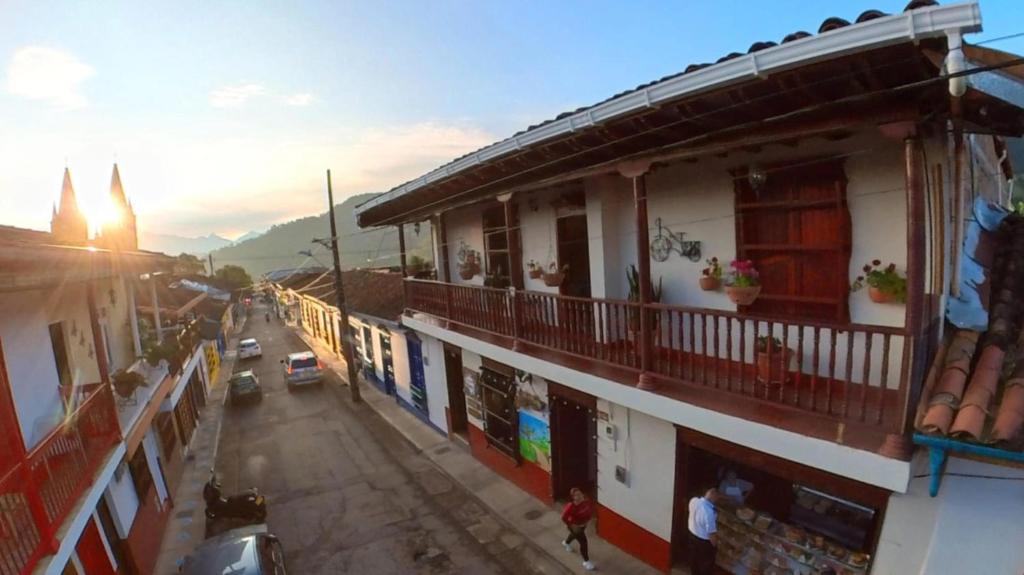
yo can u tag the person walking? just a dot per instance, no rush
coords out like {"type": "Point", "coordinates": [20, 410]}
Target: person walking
{"type": "Point", "coordinates": [576, 515]}
{"type": "Point", "coordinates": [702, 526]}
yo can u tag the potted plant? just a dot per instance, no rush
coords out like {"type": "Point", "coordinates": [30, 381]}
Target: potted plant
{"type": "Point", "coordinates": [744, 284]}
{"type": "Point", "coordinates": [885, 284]}
{"type": "Point", "coordinates": [711, 276]}
{"type": "Point", "coordinates": [469, 262]}
{"type": "Point", "coordinates": [126, 382]}
{"type": "Point", "coordinates": [535, 270]}
{"type": "Point", "coordinates": [555, 275]}
{"type": "Point", "coordinates": [776, 369]}
{"type": "Point", "coordinates": [633, 277]}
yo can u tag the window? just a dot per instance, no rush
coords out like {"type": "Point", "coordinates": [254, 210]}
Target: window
{"type": "Point", "coordinates": [497, 262]}
{"type": "Point", "coordinates": [141, 477]}
{"type": "Point", "coordinates": [60, 354]}
{"type": "Point", "coordinates": [796, 229]}
{"type": "Point", "coordinates": [501, 424]}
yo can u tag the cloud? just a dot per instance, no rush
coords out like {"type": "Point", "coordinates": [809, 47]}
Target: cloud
{"type": "Point", "coordinates": [49, 75]}
{"type": "Point", "coordinates": [299, 99]}
{"type": "Point", "coordinates": [235, 96]}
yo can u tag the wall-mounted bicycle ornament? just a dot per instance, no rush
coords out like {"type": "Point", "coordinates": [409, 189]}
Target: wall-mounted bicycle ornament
{"type": "Point", "coordinates": [668, 241]}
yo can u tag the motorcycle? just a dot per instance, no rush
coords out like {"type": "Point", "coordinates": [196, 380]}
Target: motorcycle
{"type": "Point", "coordinates": [249, 506]}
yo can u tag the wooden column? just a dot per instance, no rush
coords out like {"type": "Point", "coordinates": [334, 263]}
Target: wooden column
{"type": "Point", "coordinates": [645, 341]}
{"type": "Point", "coordinates": [401, 248]}
{"type": "Point", "coordinates": [98, 344]}
{"type": "Point", "coordinates": [445, 273]}
{"type": "Point", "coordinates": [898, 444]}
{"type": "Point", "coordinates": [157, 329]}
{"type": "Point", "coordinates": [133, 317]}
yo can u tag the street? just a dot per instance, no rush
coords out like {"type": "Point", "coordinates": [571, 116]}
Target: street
{"type": "Point", "coordinates": [348, 494]}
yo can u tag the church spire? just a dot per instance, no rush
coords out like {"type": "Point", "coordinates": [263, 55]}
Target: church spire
{"type": "Point", "coordinates": [120, 234]}
{"type": "Point", "coordinates": [117, 190]}
{"type": "Point", "coordinates": [68, 223]}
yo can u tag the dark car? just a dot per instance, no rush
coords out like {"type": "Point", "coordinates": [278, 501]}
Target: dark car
{"type": "Point", "coordinates": [245, 386]}
{"type": "Point", "coordinates": [247, 550]}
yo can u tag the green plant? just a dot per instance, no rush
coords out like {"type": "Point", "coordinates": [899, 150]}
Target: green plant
{"type": "Point", "coordinates": [633, 277]}
{"type": "Point", "coordinates": [743, 274]}
{"type": "Point", "coordinates": [765, 342]}
{"type": "Point", "coordinates": [714, 269]}
{"type": "Point", "coordinates": [126, 382]}
{"type": "Point", "coordinates": [885, 279]}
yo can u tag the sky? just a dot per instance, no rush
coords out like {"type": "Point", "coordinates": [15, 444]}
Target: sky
{"type": "Point", "coordinates": [224, 116]}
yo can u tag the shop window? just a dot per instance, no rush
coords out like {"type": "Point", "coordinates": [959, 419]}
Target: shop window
{"type": "Point", "coordinates": [165, 430]}
{"type": "Point", "coordinates": [141, 477]}
{"type": "Point", "coordinates": [497, 261]}
{"type": "Point", "coordinates": [501, 424]}
{"type": "Point", "coordinates": [796, 229]}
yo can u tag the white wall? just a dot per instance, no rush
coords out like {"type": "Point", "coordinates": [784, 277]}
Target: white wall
{"type": "Point", "coordinates": [473, 362]}
{"type": "Point", "coordinates": [116, 318]}
{"type": "Point", "coordinates": [152, 451]}
{"type": "Point", "coordinates": [537, 229]}
{"type": "Point", "coordinates": [24, 331]}
{"type": "Point", "coordinates": [973, 525]}
{"type": "Point", "coordinates": [646, 448]}
{"type": "Point", "coordinates": [122, 500]}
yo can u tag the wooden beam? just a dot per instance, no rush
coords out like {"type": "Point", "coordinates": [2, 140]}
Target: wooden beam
{"type": "Point", "coordinates": [401, 248]}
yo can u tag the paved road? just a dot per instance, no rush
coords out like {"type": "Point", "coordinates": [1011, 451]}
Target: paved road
{"type": "Point", "coordinates": [347, 493]}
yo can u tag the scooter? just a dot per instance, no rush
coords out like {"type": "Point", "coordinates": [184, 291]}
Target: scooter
{"type": "Point", "coordinates": [249, 506]}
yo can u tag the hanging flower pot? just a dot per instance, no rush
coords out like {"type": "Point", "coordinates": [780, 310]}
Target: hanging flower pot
{"type": "Point", "coordinates": [554, 279]}
{"type": "Point", "coordinates": [879, 296]}
{"type": "Point", "coordinates": [708, 283]}
{"type": "Point", "coordinates": [772, 368]}
{"type": "Point", "coordinates": [743, 295]}
{"type": "Point", "coordinates": [535, 271]}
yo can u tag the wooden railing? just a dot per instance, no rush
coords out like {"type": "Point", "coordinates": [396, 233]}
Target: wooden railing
{"type": "Point", "coordinates": [39, 492]}
{"type": "Point", "coordinates": [849, 372]}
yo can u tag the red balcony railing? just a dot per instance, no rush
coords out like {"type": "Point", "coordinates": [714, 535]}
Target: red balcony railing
{"type": "Point", "coordinates": [845, 372]}
{"type": "Point", "coordinates": [39, 492]}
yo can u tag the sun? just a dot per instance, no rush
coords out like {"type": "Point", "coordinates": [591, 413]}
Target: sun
{"type": "Point", "coordinates": [102, 214]}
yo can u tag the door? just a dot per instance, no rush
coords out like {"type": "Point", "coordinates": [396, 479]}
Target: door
{"type": "Point", "coordinates": [388, 363]}
{"type": "Point", "coordinates": [573, 441]}
{"type": "Point", "coordinates": [417, 379]}
{"type": "Point", "coordinates": [91, 552]}
{"type": "Point", "coordinates": [456, 392]}
{"type": "Point", "coordinates": [368, 353]}
{"type": "Point", "coordinates": [574, 251]}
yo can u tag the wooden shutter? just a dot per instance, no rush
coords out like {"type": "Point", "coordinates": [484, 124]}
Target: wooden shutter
{"type": "Point", "coordinates": [796, 229]}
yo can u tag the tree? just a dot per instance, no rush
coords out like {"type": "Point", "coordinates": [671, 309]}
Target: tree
{"type": "Point", "coordinates": [188, 265]}
{"type": "Point", "coordinates": [233, 277]}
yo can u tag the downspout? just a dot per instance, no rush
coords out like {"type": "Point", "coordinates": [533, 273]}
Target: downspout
{"type": "Point", "coordinates": [954, 64]}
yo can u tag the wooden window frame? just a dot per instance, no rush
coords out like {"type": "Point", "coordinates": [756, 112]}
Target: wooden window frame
{"type": "Point", "coordinates": [823, 169]}
{"type": "Point", "coordinates": [495, 231]}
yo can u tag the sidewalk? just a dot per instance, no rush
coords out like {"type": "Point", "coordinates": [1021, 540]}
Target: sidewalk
{"type": "Point", "coordinates": [524, 513]}
{"type": "Point", "coordinates": [188, 523]}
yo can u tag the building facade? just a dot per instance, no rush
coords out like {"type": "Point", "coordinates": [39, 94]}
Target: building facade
{"type": "Point", "coordinates": [580, 347]}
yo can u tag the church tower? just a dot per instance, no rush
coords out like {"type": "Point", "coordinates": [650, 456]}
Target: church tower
{"type": "Point", "coordinates": [120, 234]}
{"type": "Point", "coordinates": [68, 224]}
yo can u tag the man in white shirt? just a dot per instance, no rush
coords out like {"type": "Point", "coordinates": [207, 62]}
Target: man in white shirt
{"type": "Point", "coordinates": [702, 524]}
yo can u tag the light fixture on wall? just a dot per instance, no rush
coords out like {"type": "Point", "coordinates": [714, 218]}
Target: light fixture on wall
{"type": "Point", "coordinates": [757, 178]}
{"type": "Point", "coordinates": [416, 228]}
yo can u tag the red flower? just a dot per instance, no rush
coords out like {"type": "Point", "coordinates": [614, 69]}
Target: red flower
{"type": "Point", "coordinates": [891, 268]}
{"type": "Point", "coordinates": [876, 262]}
{"type": "Point", "coordinates": [867, 269]}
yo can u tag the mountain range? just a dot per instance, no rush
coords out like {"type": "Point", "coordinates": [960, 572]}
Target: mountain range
{"type": "Point", "coordinates": [174, 245]}
{"type": "Point", "coordinates": [280, 246]}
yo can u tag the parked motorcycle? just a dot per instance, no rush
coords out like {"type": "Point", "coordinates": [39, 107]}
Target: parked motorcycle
{"type": "Point", "coordinates": [249, 506]}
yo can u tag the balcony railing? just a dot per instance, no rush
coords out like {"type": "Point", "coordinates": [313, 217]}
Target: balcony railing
{"type": "Point", "coordinates": [39, 492]}
{"type": "Point", "coordinates": [844, 372]}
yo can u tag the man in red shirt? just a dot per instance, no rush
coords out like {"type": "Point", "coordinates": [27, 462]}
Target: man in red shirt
{"type": "Point", "coordinates": [576, 515]}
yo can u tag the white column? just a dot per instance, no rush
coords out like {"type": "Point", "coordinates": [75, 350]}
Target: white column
{"type": "Point", "coordinates": [133, 316]}
{"type": "Point", "coordinates": [156, 309]}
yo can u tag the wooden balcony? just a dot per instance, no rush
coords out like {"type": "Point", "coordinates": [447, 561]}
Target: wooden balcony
{"type": "Point", "coordinates": [40, 490]}
{"type": "Point", "coordinates": [841, 382]}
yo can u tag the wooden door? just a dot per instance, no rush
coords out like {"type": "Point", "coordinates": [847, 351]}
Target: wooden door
{"type": "Point", "coordinates": [574, 251]}
{"type": "Point", "coordinates": [417, 379]}
{"type": "Point", "coordinates": [456, 392]}
{"type": "Point", "coordinates": [388, 363]}
{"type": "Point", "coordinates": [573, 420]}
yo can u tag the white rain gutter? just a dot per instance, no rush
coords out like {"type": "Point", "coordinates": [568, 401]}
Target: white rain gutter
{"type": "Point", "coordinates": [960, 18]}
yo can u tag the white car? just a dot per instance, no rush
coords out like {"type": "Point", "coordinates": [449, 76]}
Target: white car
{"type": "Point", "coordinates": [249, 348]}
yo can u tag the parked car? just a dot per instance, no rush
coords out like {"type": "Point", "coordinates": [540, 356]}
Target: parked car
{"type": "Point", "coordinates": [302, 368]}
{"type": "Point", "coordinates": [250, 550]}
{"type": "Point", "coordinates": [244, 386]}
{"type": "Point", "coordinates": [249, 348]}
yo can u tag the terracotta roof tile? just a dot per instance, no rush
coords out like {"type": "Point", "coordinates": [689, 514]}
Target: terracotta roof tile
{"type": "Point", "coordinates": [375, 293]}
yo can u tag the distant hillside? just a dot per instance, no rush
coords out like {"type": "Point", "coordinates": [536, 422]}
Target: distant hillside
{"type": "Point", "coordinates": [247, 236]}
{"type": "Point", "coordinates": [174, 245]}
{"type": "Point", "coordinates": [279, 246]}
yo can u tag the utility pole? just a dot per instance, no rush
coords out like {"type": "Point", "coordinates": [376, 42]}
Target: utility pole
{"type": "Point", "coordinates": [210, 257]}
{"type": "Point", "coordinates": [339, 291]}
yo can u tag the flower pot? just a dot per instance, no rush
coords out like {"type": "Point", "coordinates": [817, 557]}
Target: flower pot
{"type": "Point", "coordinates": [743, 295]}
{"type": "Point", "coordinates": [708, 283]}
{"type": "Point", "coordinates": [879, 296]}
{"type": "Point", "coordinates": [536, 273]}
{"type": "Point", "coordinates": [777, 371]}
{"type": "Point", "coordinates": [467, 272]}
{"type": "Point", "coordinates": [554, 279]}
